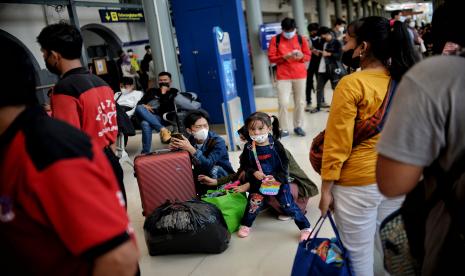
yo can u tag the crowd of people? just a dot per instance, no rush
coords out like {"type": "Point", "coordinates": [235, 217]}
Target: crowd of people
{"type": "Point", "coordinates": [61, 184]}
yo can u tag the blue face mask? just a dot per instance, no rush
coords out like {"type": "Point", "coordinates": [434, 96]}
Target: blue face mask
{"type": "Point", "coordinates": [289, 35]}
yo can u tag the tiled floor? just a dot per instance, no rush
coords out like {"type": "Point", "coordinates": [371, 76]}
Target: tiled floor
{"type": "Point", "coordinates": [271, 246]}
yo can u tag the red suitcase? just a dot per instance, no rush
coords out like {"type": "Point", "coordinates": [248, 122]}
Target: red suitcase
{"type": "Point", "coordinates": [162, 176]}
{"type": "Point", "coordinates": [300, 201]}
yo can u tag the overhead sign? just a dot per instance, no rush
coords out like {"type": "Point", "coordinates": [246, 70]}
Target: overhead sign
{"type": "Point", "coordinates": [267, 31]}
{"type": "Point", "coordinates": [119, 16]}
{"type": "Point", "coordinates": [232, 108]}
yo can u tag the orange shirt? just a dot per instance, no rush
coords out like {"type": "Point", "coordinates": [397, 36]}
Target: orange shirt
{"type": "Point", "coordinates": [289, 69]}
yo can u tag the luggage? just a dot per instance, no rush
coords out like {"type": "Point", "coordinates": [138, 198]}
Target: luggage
{"type": "Point", "coordinates": [300, 201]}
{"type": "Point", "coordinates": [186, 227]}
{"type": "Point", "coordinates": [164, 175]}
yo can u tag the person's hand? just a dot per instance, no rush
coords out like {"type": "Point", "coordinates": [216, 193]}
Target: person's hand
{"type": "Point", "coordinates": [298, 55]}
{"type": "Point", "coordinates": [288, 55]}
{"type": "Point", "coordinates": [206, 180]}
{"type": "Point", "coordinates": [47, 107]}
{"type": "Point", "coordinates": [164, 89]}
{"type": "Point", "coordinates": [183, 144]}
{"type": "Point", "coordinates": [327, 54]}
{"type": "Point", "coordinates": [259, 175]}
{"type": "Point", "coordinates": [326, 200]}
{"type": "Point", "coordinates": [242, 188]}
{"type": "Point", "coordinates": [148, 107]}
{"type": "Point", "coordinates": [316, 52]}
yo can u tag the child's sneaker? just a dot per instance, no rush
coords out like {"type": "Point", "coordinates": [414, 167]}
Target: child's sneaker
{"type": "Point", "coordinates": [284, 217]}
{"type": "Point", "coordinates": [305, 234]}
{"type": "Point", "coordinates": [243, 231]}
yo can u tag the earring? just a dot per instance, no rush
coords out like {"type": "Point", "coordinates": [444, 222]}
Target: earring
{"type": "Point", "coordinates": [361, 54]}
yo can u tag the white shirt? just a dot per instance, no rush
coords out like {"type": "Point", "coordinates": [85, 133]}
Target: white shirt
{"type": "Point", "coordinates": [322, 67]}
{"type": "Point", "coordinates": [129, 99]}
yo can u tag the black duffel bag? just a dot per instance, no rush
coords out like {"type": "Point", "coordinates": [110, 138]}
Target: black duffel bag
{"type": "Point", "coordinates": [125, 125]}
{"type": "Point", "coordinates": [186, 227]}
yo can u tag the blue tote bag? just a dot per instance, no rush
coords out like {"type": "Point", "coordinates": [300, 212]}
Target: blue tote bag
{"type": "Point", "coordinates": [307, 262]}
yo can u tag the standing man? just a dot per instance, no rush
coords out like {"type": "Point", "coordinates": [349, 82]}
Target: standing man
{"type": "Point", "coordinates": [316, 47]}
{"type": "Point", "coordinates": [290, 52]}
{"type": "Point", "coordinates": [144, 68]}
{"type": "Point", "coordinates": [339, 28]}
{"type": "Point", "coordinates": [61, 213]}
{"type": "Point", "coordinates": [79, 98]}
{"type": "Point", "coordinates": [395, 16]}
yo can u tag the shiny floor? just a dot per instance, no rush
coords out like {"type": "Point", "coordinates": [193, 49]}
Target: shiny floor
{"type": "Point", "coordinates": [271, 246]}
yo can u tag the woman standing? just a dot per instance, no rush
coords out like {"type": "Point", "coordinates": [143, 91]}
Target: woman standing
{"type": "Point", "coordinates": [348, 172]}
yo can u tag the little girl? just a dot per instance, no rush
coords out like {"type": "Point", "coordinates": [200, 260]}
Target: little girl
{"type": "Point", "coordinates": [264, 161]}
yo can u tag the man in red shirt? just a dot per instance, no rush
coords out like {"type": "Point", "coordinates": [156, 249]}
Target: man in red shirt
{"type": "Point", "coordinates": [79, 98]}
{"type": "Point", "coordinates": [291, 53]}
{"type": "Point", "coordinates": [61, 212]}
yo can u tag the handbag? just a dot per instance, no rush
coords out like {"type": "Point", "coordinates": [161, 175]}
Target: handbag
{"type": "Point", "coordinates": [232, 206]}
{"type": "Point", "coordinates": [187, 101]}
{"type": "Point", "coordinates": [310, 254]}
{"type": "Point", "coordinates": [363, 130]}
{"type": "Point", "coordinates": [125, 125]}
{"type": "Point", "coordinates": [269, 186]}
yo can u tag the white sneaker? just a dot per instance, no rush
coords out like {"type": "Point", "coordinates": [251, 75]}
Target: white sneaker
{"type": "Point", "coordinates": [284, 217]}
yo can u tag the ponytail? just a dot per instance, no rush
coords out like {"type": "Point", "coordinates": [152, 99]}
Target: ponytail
{"type": "Point", "coordinates": [402, 53]}
{"type": "Point", "coordinates": [275, 127]}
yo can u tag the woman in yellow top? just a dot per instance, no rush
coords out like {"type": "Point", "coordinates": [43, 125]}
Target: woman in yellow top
{"type": "Point", "coordinates": [348, 173]}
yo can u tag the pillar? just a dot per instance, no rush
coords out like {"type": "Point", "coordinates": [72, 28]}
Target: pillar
{"type": "Point", "coordinates": [374, 8]}
{"type": "Point", "coordinates": [358, 9]}
{"type": "Point", "coordinates": [158, 23]}
{"type": "Point", "coordinates": [262, 87]}
{"type": "Point", "coordinates": [365, 8]}
{"type": "Point", "coordinates": [350, 11]}
{"type": "Point", "coordinates": [299, 15]}
{"type": "Point", "coordinates": [338, 8]}
{"type": "Point", "coordinates": [323, 16]}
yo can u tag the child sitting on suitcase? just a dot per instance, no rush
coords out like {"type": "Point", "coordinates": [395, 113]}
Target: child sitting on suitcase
{"type": "Point", "coordinates": [266, 169]}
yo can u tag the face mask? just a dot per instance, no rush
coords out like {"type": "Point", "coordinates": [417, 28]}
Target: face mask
{"type": "Point", "coordinates": [402, 18]}
{"type": "Point", "coordinates": [51, 68]}
{"type": "Point", "coordinates": [411, 24]}
{"type": "Point", "coordinates": [259, 138]}
{"type": "Point", "coordinates": [289, 35]}
{"type": "Point", "coordinates": [349, 61]}
{"type": "Point", "coordinates": [341, 29]}
{"type": "Point", "coordinates": [160, 84]}
{"type": "Point", "coordinates": [201, 135]}
{"type": "Point", "coordinates": [124, 90]}
{"type": "Point", "coordinates": [130, 54]}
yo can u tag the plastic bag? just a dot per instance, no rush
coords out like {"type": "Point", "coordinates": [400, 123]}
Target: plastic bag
{"type": "Point", "coordinates": [232, 206]}
{"type": "Point", "coordinates": [186, 227]}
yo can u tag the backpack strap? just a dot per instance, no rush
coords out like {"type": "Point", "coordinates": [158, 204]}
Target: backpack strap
{"type": "Point", "coordinates": [278, 39]}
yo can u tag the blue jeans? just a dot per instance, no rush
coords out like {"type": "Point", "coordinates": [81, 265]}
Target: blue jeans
{"type": "Point", "coordinates": [256, 203]}
{"type": "Point", "coordinates": [218, 172]}
{"type": "Point", "coordinates": [149, 122]}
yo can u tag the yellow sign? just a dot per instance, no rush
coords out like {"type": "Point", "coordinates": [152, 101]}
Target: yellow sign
{"type": "Point", "coordinates": [117, 16]}
{"type": "Point", "coordinates": [114, 16]}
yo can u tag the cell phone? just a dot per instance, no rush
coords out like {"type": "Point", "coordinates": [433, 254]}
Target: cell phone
{"type": "Point", "coordinates": [177, 135]}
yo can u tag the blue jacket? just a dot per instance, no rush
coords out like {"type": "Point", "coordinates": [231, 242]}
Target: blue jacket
{"type": "Point", "coordinates": [213, 153]}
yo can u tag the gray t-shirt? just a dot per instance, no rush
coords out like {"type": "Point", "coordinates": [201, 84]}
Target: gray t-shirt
{"type": "Point", "coordinates": [427, 122]}
{"type": "Point", "coordinates": [427, 118]}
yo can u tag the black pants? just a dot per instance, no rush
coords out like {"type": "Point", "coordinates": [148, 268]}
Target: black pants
{"type": "Point", "coordinates": [309, 86]}
{"type": "Point", "coordinates": [322, 79]}
{"type": "Point", "coordinates": [116, 166]}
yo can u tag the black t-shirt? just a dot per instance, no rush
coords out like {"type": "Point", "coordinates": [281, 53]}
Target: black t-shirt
{"type": "Point", "coordinates": [166, 100]}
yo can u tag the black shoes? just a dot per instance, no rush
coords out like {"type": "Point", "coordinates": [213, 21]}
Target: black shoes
{"type": "Point", "coordinates": [315, 110]}
{"type": "Point", "coordinates": [299, 131]}
{"type": "Point", "coordinates": [284, 133]}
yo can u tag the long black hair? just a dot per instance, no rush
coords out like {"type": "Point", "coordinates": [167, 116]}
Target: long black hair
{"type": "Point", "coordinates": [270, 121]}
{"type": "Point", "coordinates": [391, 45]}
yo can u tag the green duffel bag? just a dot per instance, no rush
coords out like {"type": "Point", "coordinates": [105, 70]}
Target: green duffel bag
{"type": "Point", "coordinates": [231, 204]}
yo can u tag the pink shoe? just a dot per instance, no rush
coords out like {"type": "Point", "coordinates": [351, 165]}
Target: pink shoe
{"type": "Point", "coordinates": [305, 234]}
{"type": "Point", "coordinates": [243, 231]}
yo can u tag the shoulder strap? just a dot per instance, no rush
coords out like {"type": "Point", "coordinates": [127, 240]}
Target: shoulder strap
{"type": "Point", "coordinates": [278, 38]}
{"type": "Point", "coordinates": [254, 151]}
{"type": "Point", "coordinates": [299, 38]}
{"type": "Point", "coordinates": [120, 94]}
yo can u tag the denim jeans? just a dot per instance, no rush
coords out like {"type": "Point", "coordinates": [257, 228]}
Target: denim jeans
{"type": "Point", "coordinates": [149, 122]}
{"type": "Point", "coordinates": [256, 202]}
{"type": "Point", "coordinates": [218, 172]}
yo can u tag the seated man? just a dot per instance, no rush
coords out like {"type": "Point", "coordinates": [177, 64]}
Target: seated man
{"type": "Point", "coordinates": [207, 149]}
{"type": "Point", "coordinates": [155, 103]}
{"type": "Point", "coordinates": [128, 97]}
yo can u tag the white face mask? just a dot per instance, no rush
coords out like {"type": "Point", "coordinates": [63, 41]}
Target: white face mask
{"type": "Point", "coordinates": [411, 24]}
{"type": "Point", "coordinates": [289, 35]}
{"type": "Point", "coordinates": [124, 90]}
{"type": "Point", "coordinates": [259, 138]}
{"type": "Point", "coordinates": [341, 29]}
{"type": "Point", "coordinates": [402, 18]}
{"type": "Point", "coordinates": [201, 135]}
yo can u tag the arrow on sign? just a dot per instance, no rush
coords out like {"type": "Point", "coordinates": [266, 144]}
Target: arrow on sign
{"type": "Point", "coordinates": [107, 17]}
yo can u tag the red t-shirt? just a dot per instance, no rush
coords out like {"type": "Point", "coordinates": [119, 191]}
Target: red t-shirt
{"type": "Point", "coordinates": [289, 69]}
{"type": "Point", "coordinates": [86, 102]}
{"type": "Point", "coordinates": [60, 203]}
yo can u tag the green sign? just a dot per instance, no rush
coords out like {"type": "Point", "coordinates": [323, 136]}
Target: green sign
{"type": "Point", "coordinates": [119, 16]}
